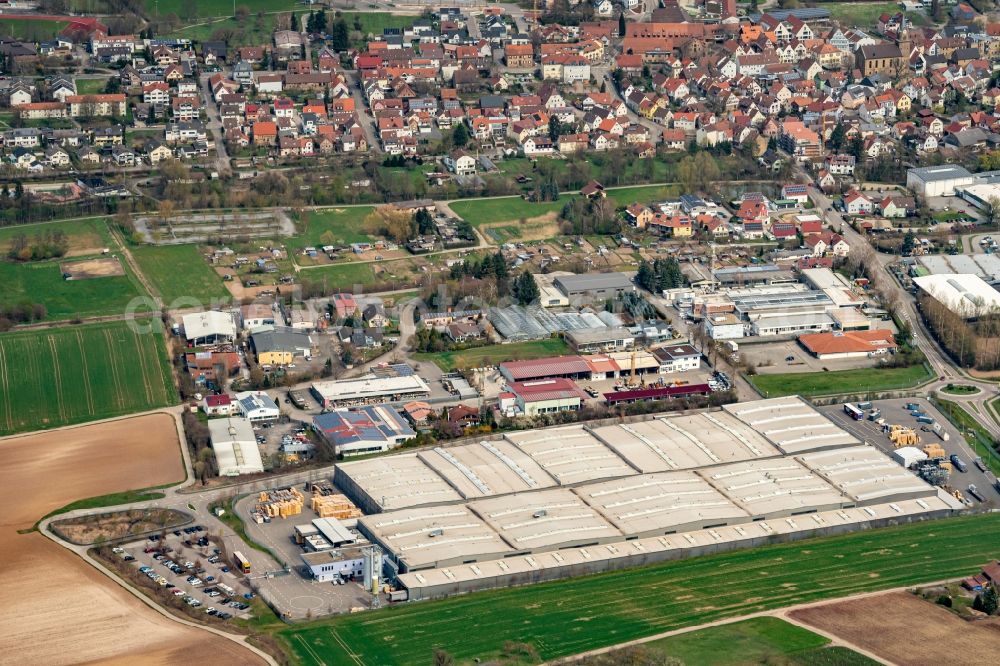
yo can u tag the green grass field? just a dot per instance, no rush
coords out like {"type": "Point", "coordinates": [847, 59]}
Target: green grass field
{"type": "Point", "coordinates": [760, 640]}
{"type": "Point", "coordinates": [572, 616]}
{"type": "Point", "coordinates": [625, 196]}
{"type": "Point", "coordinates": [206, 8]}
{"type": "Point", "coordinates": [331, 226]}
{"type": "Point", "coordinates": [42, 282]}
{"type": "Point", "coordinates": [840, 381]}
{"type": "Point", "coordinates": [91, 86]}
{"type": "Point", "coordinates": [339, 276]}
{"type": "Point", "coordinates": [493, 354]}
{"type": "Point", "coordinates": [181, 272]}
{"type": "Point", "coordinates": [70, 375]}
{"type": "Point", "coordinates": [505, 209]}
{"type": "Point", "coordinates": [34, 30]}
{"type": "Point", "coordinates": [865, 14]}
{"type": "Point", "coordinates": [249, 34]}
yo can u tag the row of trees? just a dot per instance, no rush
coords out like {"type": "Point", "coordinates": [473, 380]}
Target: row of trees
{"type": "Point", "coordinates": [970, 343]}
{"type": "Point", "coordinates": [20, 313]}
{"type": "Point", "coordinates": [46, 245]}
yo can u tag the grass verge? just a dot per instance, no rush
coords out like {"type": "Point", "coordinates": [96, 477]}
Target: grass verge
{"type": "Point", "coordinates": [840, 382]}
{"type": "Point", "coordinates": [577, 615]}
{"type": "Point", "coordinates": [761, 640]}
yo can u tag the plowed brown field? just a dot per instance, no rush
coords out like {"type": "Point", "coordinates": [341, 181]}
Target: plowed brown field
{"type": "Point", "coordinates": [907, 630]}
{"type": "Point", "coordinates": [56, 608]}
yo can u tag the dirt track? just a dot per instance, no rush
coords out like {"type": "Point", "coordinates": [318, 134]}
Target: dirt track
{"type": "Point", "coordinates": [57, 609]}
{"type": "Point", "coordinates": [906, 630]}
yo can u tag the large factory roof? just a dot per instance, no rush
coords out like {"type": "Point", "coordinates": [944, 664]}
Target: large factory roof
{"type": "Point", "coordinates": [399, 481]}
{"type": "Point", "coordinates": [369, 387]}
{"type": "Point", "coordinates": [865, 475]}
{"type": "Point", "coordinates": [790, 424]}
{"type": "Point", "coordinates": [547, 519]}
{"type": "Point", "coordinates": [522, 568]}
{"type": "Point", "coordinates": [484, 469]}
{"type": "Point", "coordinates": [570, 454]}
{"type": "Point", "coordinates": [576, 454]}
{"type": "Point", "coordinates": [432, 535]}
{"type": "Point", "coordinates": [660, 503]}
{"type": "Point", "coordinates": [667, 444]}
{"type": "Point", "coordinates": [964, 294]}
{"type": "Point", "coordinates": [773, 488]}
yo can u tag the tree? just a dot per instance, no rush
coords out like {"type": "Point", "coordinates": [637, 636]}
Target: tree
{"type": "Point", "coordinates": [555, 128]}
{"type": "Point", "coordinates": [990, 600]}
{"type": "Point", "coordinates": [340, 35]}
{"type": "Point", "coordinates": [837, 137]}
{"type": "Point", "coordinates": [909, 241]}
{"type": "Point", "coordinates": [525, 289]}
{"type": "Point", "coordinates": [442, 658]}
{"type": "Point", "coordinates": [294, 24]}
{"type": "Point", "coordinates": [460, 136]}
{"type": "Point", "coordinates": [392, 222]}
{"type": "Point", "coordinates": [621, 24]}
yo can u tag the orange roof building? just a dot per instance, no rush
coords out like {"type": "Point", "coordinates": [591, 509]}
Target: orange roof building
{"type": "Point", "coordinates": [848, 344]}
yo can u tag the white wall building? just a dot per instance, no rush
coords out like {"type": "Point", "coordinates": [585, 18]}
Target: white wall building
{"type": "Point", "coordinates": [235, 447]}
{"type": "Point", "coordinates": [257, 407]}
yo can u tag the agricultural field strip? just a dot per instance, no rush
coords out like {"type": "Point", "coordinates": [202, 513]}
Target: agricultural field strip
{"type": "Point", "coordinates": [637, 604]}
{"type": "Point", "coordinates": [52, 379]}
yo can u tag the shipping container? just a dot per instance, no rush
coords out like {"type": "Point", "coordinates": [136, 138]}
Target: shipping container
{"type": "Point", "coordinates": [925, 419]}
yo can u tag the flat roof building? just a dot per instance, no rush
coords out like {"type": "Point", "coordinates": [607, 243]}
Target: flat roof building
{"type": "Point", "coordinates": [431, 537]}
{"type": "Point", "coordinates": [546, 520]}
{"type": "Point", "coordinates": [605, 339]}
{"type": "Point", "coordinates": [791, 424]}
{"type": "Point", "coordinates": [570, 454]}
{"type": "Point", "coordinates": [210, 327]}
{"type": "Point", "coordinates": [966, 295]}
{"type": "Point", "coordinates": [687, 442]}
{"type": "Point", "coordinates": [486, 468]}
{"type": "Point", "coordinates": [938, 181]}
{"type": "Point", "coordinates": [866, 475]}
{"type": "Point", "coordinates": [369, 389]}
{"type": "Point", "coordinates": [665, 503]}
{"type": "Point", "coordinates": [986, 266]}
{"type": "Point", "coordinates": [774, 488]}
{"type": "Point", "coordinates": [593, 287]}
{"type": "Point", "coordinates": [393, 482]}
{"type": "Point", "coordinates": [235, 446]}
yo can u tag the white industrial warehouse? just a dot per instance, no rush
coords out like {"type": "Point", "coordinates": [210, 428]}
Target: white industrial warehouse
{"type": "Point", "coordinates": [541, 504]}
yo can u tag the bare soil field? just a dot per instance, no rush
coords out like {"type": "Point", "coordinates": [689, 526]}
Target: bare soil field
{"type": "Point", "coordinates": [93, 268]}
{"type": "Point", "coordinates": [56, 608]}
{"type": "Point", "coordinates": [907, 630]}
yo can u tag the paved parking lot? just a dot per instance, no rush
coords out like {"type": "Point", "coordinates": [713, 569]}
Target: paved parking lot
{"type": "Point", "coordinates": [893, 412]}
{"type": "Point", "coordinates": [198, 556]}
